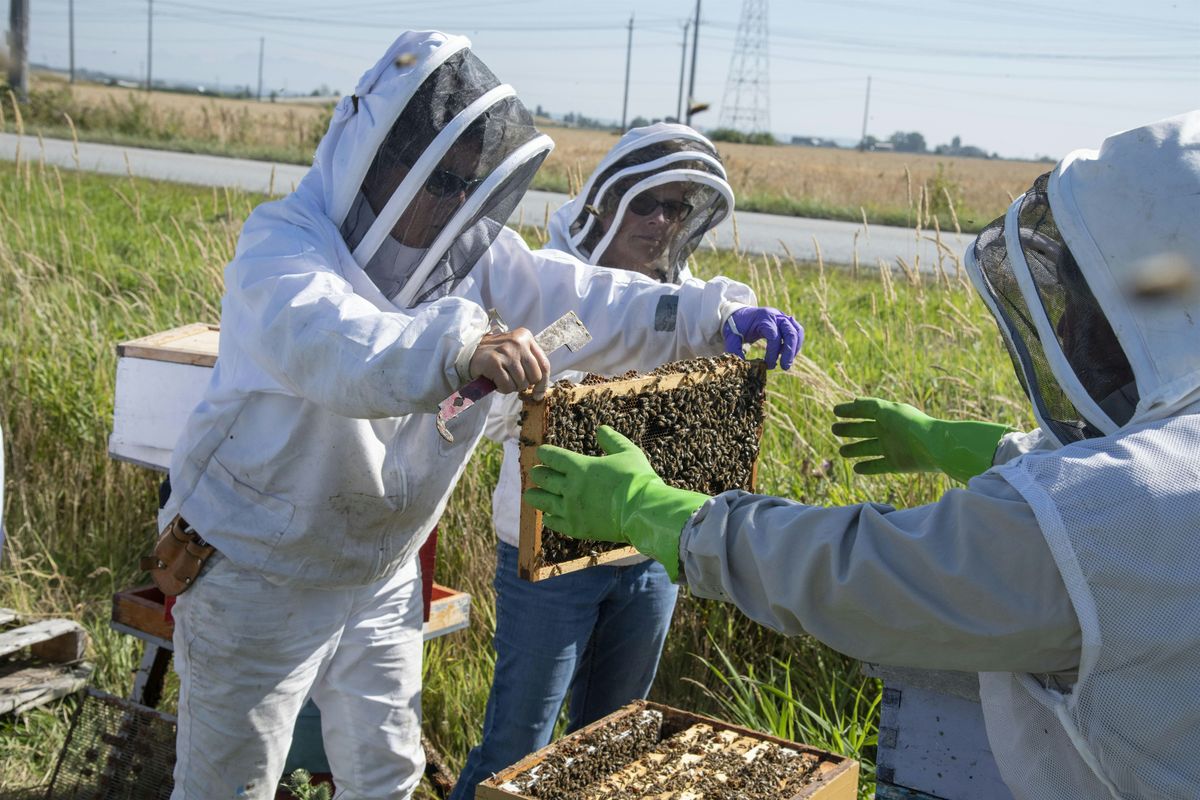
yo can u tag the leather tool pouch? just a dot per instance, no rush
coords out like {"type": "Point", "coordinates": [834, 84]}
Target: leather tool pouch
{"type": "Point", "coordinates": [179, 554]}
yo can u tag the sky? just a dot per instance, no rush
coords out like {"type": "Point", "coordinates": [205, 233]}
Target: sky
{"type": "Point", "coordinates": [1020, 78]}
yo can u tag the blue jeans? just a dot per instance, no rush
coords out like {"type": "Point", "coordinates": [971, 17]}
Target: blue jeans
{"type": "Point", "coordinates": [598, 632]}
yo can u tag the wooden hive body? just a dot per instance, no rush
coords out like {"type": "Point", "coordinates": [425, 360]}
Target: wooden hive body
{"type": "Point", "coordinates": [699, 423]}
{"type": "Point", "coordinates": [621, 756]}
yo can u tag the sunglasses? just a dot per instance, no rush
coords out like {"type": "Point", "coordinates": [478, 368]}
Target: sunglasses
{"type": "Point", "coordinates": [646, 204]}
{"type": "Point", "coordinates": [443, 183]}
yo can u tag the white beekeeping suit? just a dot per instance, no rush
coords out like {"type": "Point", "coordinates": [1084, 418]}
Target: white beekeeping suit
{"type": "Point", "coordinates": [1069, 577]}
{"type": "Point", "coordinates": [351, 308]}
{"type": "Point", "coordinates": [1119, 375]}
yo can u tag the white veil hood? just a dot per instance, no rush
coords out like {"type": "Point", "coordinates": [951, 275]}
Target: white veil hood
{"type": "Point", "coordinates": [649, 156]}
{"type": "Point", "coordinates": [403, 133]}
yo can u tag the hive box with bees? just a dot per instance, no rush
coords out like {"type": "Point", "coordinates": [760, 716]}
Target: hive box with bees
{"type": "Point", "coordinates": [651, 750]}
{"type": "Point", "coordinates": [699, 423]}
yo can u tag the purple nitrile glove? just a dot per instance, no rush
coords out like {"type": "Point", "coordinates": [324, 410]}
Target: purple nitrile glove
{"type": "Point", "coordinates": [782, 333]}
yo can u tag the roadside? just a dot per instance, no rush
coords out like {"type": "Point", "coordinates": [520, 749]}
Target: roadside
{"type": "Point", "coordinates": [803, 239]}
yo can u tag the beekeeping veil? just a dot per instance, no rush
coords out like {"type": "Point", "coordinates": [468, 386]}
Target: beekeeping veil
{"type": "Point", "coordinates": [644, 158]}
{"type": "Point", "coordinates": [424, 163]}
{"type": "Point", "coordinates": [1092, 278]}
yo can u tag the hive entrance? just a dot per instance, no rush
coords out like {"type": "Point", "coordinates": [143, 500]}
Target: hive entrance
{"type": "Point", "coordinates": [699, 423]}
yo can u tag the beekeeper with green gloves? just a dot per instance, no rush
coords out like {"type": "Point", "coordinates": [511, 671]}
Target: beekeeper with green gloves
{"type": "Point", "coordinates": [1068, 576]}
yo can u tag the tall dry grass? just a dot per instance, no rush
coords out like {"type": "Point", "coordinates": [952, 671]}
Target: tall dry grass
{"type": "Point", "coordinates": [800, 181]}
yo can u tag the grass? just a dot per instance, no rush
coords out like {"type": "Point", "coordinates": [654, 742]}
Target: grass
{"type": "Point", "coordinates": [88, 261]}
{"type": "Point", "coordinates": [883, 188]}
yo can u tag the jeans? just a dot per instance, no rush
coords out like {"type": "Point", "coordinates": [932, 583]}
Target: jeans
{"type": "Point", "coordinates": [598, 632]}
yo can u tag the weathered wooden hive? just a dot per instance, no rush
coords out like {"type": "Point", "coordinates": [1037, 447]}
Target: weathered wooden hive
{"type": "Point", "coordinates": [698, 421]}
{"type": "Point", "coordinates": [650, 750]}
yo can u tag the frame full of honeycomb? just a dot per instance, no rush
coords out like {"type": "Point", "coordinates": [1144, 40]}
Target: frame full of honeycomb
{"type": "Point", "coordinates": [699, 423]}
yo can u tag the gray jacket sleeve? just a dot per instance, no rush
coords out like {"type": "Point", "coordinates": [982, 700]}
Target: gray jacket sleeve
{"type": "Point", "coordinates": [967, 583]}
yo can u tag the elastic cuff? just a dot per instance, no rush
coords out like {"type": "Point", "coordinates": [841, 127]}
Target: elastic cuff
{"type": "Point", "coordinates": [727, 309]}
{"type": "Point", "coordinates": [462, 363]}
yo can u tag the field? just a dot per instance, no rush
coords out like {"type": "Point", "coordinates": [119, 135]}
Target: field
{"type": "Point", "coordinates": [801, 181]}
{"type": "Point", "coordinates": [89, 261]}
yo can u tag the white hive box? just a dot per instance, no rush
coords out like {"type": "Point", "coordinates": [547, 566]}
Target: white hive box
{"type": "Point", "coordinates": [160, 380]}
{"type": "Point", "coordinates": [932, 741]}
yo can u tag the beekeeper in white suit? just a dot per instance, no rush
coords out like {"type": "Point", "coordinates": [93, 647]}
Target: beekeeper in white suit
{"type": "Point", "coordinates": [1069, 577]}
{"type": "Point", "coordinates": [352, 307]}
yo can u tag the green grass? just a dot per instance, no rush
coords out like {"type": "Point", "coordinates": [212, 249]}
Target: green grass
{"type": "Point", "coordinates": [88, 261]}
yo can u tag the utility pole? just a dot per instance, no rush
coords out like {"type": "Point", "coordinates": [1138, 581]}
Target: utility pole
{"type": "Point", "coordinates": [261, 45]}
{"type": "Point", "coordinates": [150, 46]}
{"type": "Point", "coordinates": [628, 62]}
{"type": "Point", "coordinates": [682, 70]}
{"type": "Point", "coordinates": [862, 142]}
{"type": "Point", "coordinates": [692, 83]}
{"type": "Point", "coordinates": [18, 68]}
{"type": "Point", "coordinates": [71, 34]}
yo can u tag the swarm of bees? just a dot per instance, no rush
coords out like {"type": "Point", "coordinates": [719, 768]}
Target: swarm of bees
{"type": "Point", "coordinates": [701, 433]}
{"type": "Point", "coordinates": [637, 756]}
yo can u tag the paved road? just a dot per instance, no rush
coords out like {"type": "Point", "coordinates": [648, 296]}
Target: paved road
{"type": "Point", "coordinates": [757, 233]}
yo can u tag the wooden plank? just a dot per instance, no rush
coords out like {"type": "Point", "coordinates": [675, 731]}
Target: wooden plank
{"type": "Point", "coordinates": [142, 608]}
{"type": "Point", "coordinates": [529, 544]}
{"type": "Point", "coordinates": [7, 615]}
{"type": "Point", "coordinates": [139, 612]}
{"type": "Point", "coordinates": [61, 639]}
{"type": "Point", "coordinates": [189, 344]}
{"type": "Point", "coordinates": [24, 685]}
{"type": "Point", "coordinates": [449, 611]}
{"type": "Point", "coordinates": [601, 558]}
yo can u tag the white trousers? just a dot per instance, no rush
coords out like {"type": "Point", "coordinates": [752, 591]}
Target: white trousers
{"type": "Point", "coordinates": [249, 653]}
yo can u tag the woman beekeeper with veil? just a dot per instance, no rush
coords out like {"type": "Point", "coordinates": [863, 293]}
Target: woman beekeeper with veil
{"type": "Point", "coordinates": [313, 466]}
{"type": "Point", "coordinates": [1069, 576]}
{"type": "Point", "coordinates": [599, 632]}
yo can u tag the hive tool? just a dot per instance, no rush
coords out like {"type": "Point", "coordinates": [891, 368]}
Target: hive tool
{"type": "Point", "coordinates": [568, 330]}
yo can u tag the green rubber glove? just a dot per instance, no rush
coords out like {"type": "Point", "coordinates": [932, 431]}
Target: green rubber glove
{"type": "Point", "coordinates": [612, 498]}
{"type": "Point", "coordinates": [908, 440]}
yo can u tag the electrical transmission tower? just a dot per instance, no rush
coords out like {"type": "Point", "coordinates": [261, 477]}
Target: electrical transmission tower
{"type": "Point", "coordinates": [747, 102]}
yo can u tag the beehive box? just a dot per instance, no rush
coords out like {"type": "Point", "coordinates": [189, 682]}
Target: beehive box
{"type": "Point", "coordinates": [932, 741]}
{"type": "Point", "coordinates": [160, 379]}
{"type": "Point", "coordinates": [651, 750]}
{"type": "Point", "coordinates": [699, 423]}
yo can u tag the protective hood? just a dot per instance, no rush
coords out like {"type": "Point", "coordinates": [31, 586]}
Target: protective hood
{"type": "Point", "coordinates": [424, 163]}
{"type": "Point", "coordinates": [1092, 276]}
{"type": "Point", "coordinates": [645, 158]}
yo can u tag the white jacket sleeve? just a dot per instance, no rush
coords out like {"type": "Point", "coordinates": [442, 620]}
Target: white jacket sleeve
{"type": "Point", "coordinates": [301, 322]}
{"type": "Point", "coordinates": [635, 322]}
{"type": "Point", "coordinates": [967, 583]}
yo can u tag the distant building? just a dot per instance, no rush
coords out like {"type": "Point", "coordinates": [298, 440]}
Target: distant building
{"type": "Point", "coordinates": [813, 141]}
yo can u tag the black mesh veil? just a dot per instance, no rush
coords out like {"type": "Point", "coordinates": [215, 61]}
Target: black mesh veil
{"type": "Point", "coordinates": [451, 169]}
{"type": "Point", "coordinates": [1065, 352]}
{"type": "Point", "coordinates": [680, 160]}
